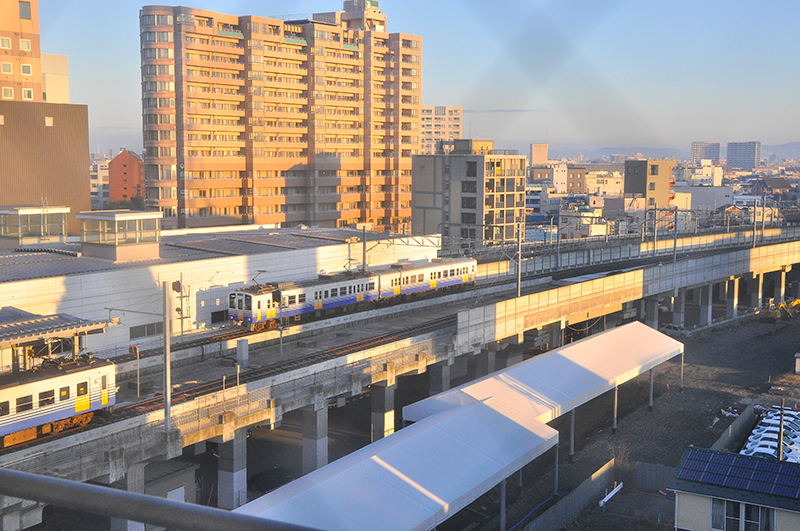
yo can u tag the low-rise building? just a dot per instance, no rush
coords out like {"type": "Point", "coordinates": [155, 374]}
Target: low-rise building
{"type": "Point", "coordinates": [125, 177]}
{"type": "Point", "coordinates": [718, 491]}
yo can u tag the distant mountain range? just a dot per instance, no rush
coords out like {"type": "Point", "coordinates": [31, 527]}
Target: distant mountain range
{"type": "Point", "coordinates": [783, 151]}
{"type": "Point", "coordinates": [594, 154]}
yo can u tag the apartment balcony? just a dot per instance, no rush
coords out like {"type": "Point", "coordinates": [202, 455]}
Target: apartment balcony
{"type": "Point", "coordinates": [212, 62]}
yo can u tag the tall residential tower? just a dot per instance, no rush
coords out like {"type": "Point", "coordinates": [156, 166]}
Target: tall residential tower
{"type": "Point", "coordinates": [705, 150]}
{"type": "Point", "coordinates": [744, 155]}
{"type": "Point", "coordinates": [263, 120]}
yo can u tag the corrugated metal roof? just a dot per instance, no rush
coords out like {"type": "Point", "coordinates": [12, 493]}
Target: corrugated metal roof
{"type": "Point", "coordinates": [18, 327]}
{"type": "Point", "coordinates": [23, 265]}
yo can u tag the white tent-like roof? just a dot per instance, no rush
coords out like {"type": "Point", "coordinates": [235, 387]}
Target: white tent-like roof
{"type": "Point", "coordinates": [464, 441]}
{"type": "Point", "coordinates": [555, 383]}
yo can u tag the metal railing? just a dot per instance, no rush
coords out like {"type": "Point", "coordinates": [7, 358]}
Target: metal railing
{"type": "Point", "coordinates": [115, 503]}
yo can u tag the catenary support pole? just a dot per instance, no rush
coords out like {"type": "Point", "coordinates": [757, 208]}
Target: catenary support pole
{"type": "Point", "coordinates": [650, 405]}
{"type": "Point", "coordinates": [682, 360]}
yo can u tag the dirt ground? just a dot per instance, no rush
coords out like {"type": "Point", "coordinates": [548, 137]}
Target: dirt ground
{"type": "Point", "coordinates": [728, 366]}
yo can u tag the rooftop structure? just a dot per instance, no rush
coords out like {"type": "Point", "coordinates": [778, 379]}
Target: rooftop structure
{"type": "Point", "coordinates": [32, 225]}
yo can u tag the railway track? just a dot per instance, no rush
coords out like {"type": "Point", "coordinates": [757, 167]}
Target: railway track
{"type": "Point", "coordinates": [305, 361]}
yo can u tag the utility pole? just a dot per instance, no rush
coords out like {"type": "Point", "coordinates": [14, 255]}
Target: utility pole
{"type": "Point", "coordinates": [167, 364]}
{"type": "Point", "coordinates": [364, 248]}
{"type": "Point", "coordinates": [519, 260]}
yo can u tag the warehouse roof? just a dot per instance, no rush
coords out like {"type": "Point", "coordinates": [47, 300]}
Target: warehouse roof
{"type": "Point", "coordinates": [176, 246]}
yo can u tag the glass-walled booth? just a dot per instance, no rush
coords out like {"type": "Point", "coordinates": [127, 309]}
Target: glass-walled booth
{"type": "Point", "coordinates": [32, 225]}
{"type": "Point", "coordinates": [120, 235]}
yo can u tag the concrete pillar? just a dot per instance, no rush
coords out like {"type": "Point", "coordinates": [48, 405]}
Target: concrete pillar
{"type": "Point", "coordinates": [243, 353]}
{"type": "Point", "coordinates": [508, 357]}
{"type": "Point", "coordinates": [232, 471]}
{"type": "Point", "coordinates": [556, 335]}
{"type": "Point", "coordinates": [485, 362]}
{"type": "Point", "coordinates": [732, 300]}
{"type": "Point", "coordinates": [779, 291]}
{"type": "Point", "coordinates": [705, 304]}
{"type": "Point", "coordinates": [651, 313]}
{"type": "Point", "coordinates": [650, 405]}
{"type": "Point", "coordinates": [439, 378]}
{"type": "Point", "coordinates": [133, 482]}
{"type": "Point", "coordinates": [382, 410]}
{"type": "Point", "coordinates": [572, 434]}
{"type": "Point", "coordinates": [315, 437]}
{"type": "Point", "coordinates": [755, 286]}
{"type": "Point", "coordinates": [679, 308]}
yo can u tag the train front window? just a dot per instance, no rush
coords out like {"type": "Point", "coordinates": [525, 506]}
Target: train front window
{"type": "Point", "coordinates": [24, 403]}
{"type": "Point", "coordinates": [104, 382]}
{"type": "Point", "coordinates": [47, 398]}
{"type": "Point", "coordinates": [239, 302]}
{"type": "Point", "coordinates": [63, 394]}
{"type": "Point", "coordinates": [232, 301]}
{"type": "Point", "coordinates": [248, 302]}
{"type": "Point", "coordinates": [83, 388]}
{"type": "Point", "coordinates": [4, 409]}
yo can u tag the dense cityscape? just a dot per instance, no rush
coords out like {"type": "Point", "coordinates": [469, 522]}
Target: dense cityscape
{"type": "Point", "coordinates": [311, 300]}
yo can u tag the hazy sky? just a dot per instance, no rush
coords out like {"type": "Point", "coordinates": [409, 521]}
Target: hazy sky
{"type": "Point", "coordinates": [577, 74]}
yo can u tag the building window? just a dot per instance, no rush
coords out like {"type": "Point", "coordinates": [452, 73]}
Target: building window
{"type": "Point", "coordinates": [651, 201]}
{"type": "Point", "coordinates": [472, 169]}
{"type": "Point", "coordinates": [25, 45]}
{"type": "Point", "coordinates": [147, 330]}
{"type": "Point", "coordinates": [652, 186]}
{"type": "Point", "coordinates": [27, 94]}
{"type": "Point", "coordinates": [48, 121]}
{"type": "Point", "coordinates": [8, 93]}
{"type": "Point", "coordinates": [654, 169]}
{"type": "Point", "coordinates": [25, 10]}
{"type": "Point", "coordinates": [5, 68]}
{"type": "Point", "coordinates": [5, 43]}
{"type": "Point", "coordinates": [27, 70]}
{"type": "Point", "coordinates": [727, 515]}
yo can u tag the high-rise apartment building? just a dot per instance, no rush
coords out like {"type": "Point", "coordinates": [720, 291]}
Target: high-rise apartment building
{"type": "Point", "coordinates": [261, 120]}
{"type": "Point", "coordinates": [439, 124]}
{"type": "Point", "coordinates": [471, 194]}
{"type": "Point", "coordinates": [20, 56]}
{"type": "Point", "coordinates": [44, 146]}
{"type": "Point", "coordinates": [705, 150]}
{"type": "Point", "coordinates": [744, 155]}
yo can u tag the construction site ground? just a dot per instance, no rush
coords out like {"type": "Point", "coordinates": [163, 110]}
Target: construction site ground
{"type": "Point", "coordinates": [725, 367]}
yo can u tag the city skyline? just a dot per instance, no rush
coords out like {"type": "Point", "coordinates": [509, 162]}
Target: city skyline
{"type": "Point", "coordinates": [575, 75]}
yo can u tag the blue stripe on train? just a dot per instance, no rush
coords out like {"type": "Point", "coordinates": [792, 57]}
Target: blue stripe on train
{"type": "Point", "coordinates": [41, 415]}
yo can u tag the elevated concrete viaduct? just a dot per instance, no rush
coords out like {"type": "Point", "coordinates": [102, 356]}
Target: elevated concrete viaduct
{"type": "Point", "coordinates": [116, 452]}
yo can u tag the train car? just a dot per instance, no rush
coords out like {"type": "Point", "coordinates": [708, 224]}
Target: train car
{"type": "Point", "coordinates": [54, 397]}
{"type": "Point", "coordinates": [259, 306]}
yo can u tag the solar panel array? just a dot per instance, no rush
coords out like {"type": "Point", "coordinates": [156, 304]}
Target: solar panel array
{"type": "Point", "coordinates": [736, 471]}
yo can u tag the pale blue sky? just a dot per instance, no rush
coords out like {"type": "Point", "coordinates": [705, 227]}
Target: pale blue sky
{"type": "Point", "coordinates": [575, 73]}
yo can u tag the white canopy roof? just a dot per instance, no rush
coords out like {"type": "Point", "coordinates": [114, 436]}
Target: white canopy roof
{"type": "Point", "coordinates": [464, 441]}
